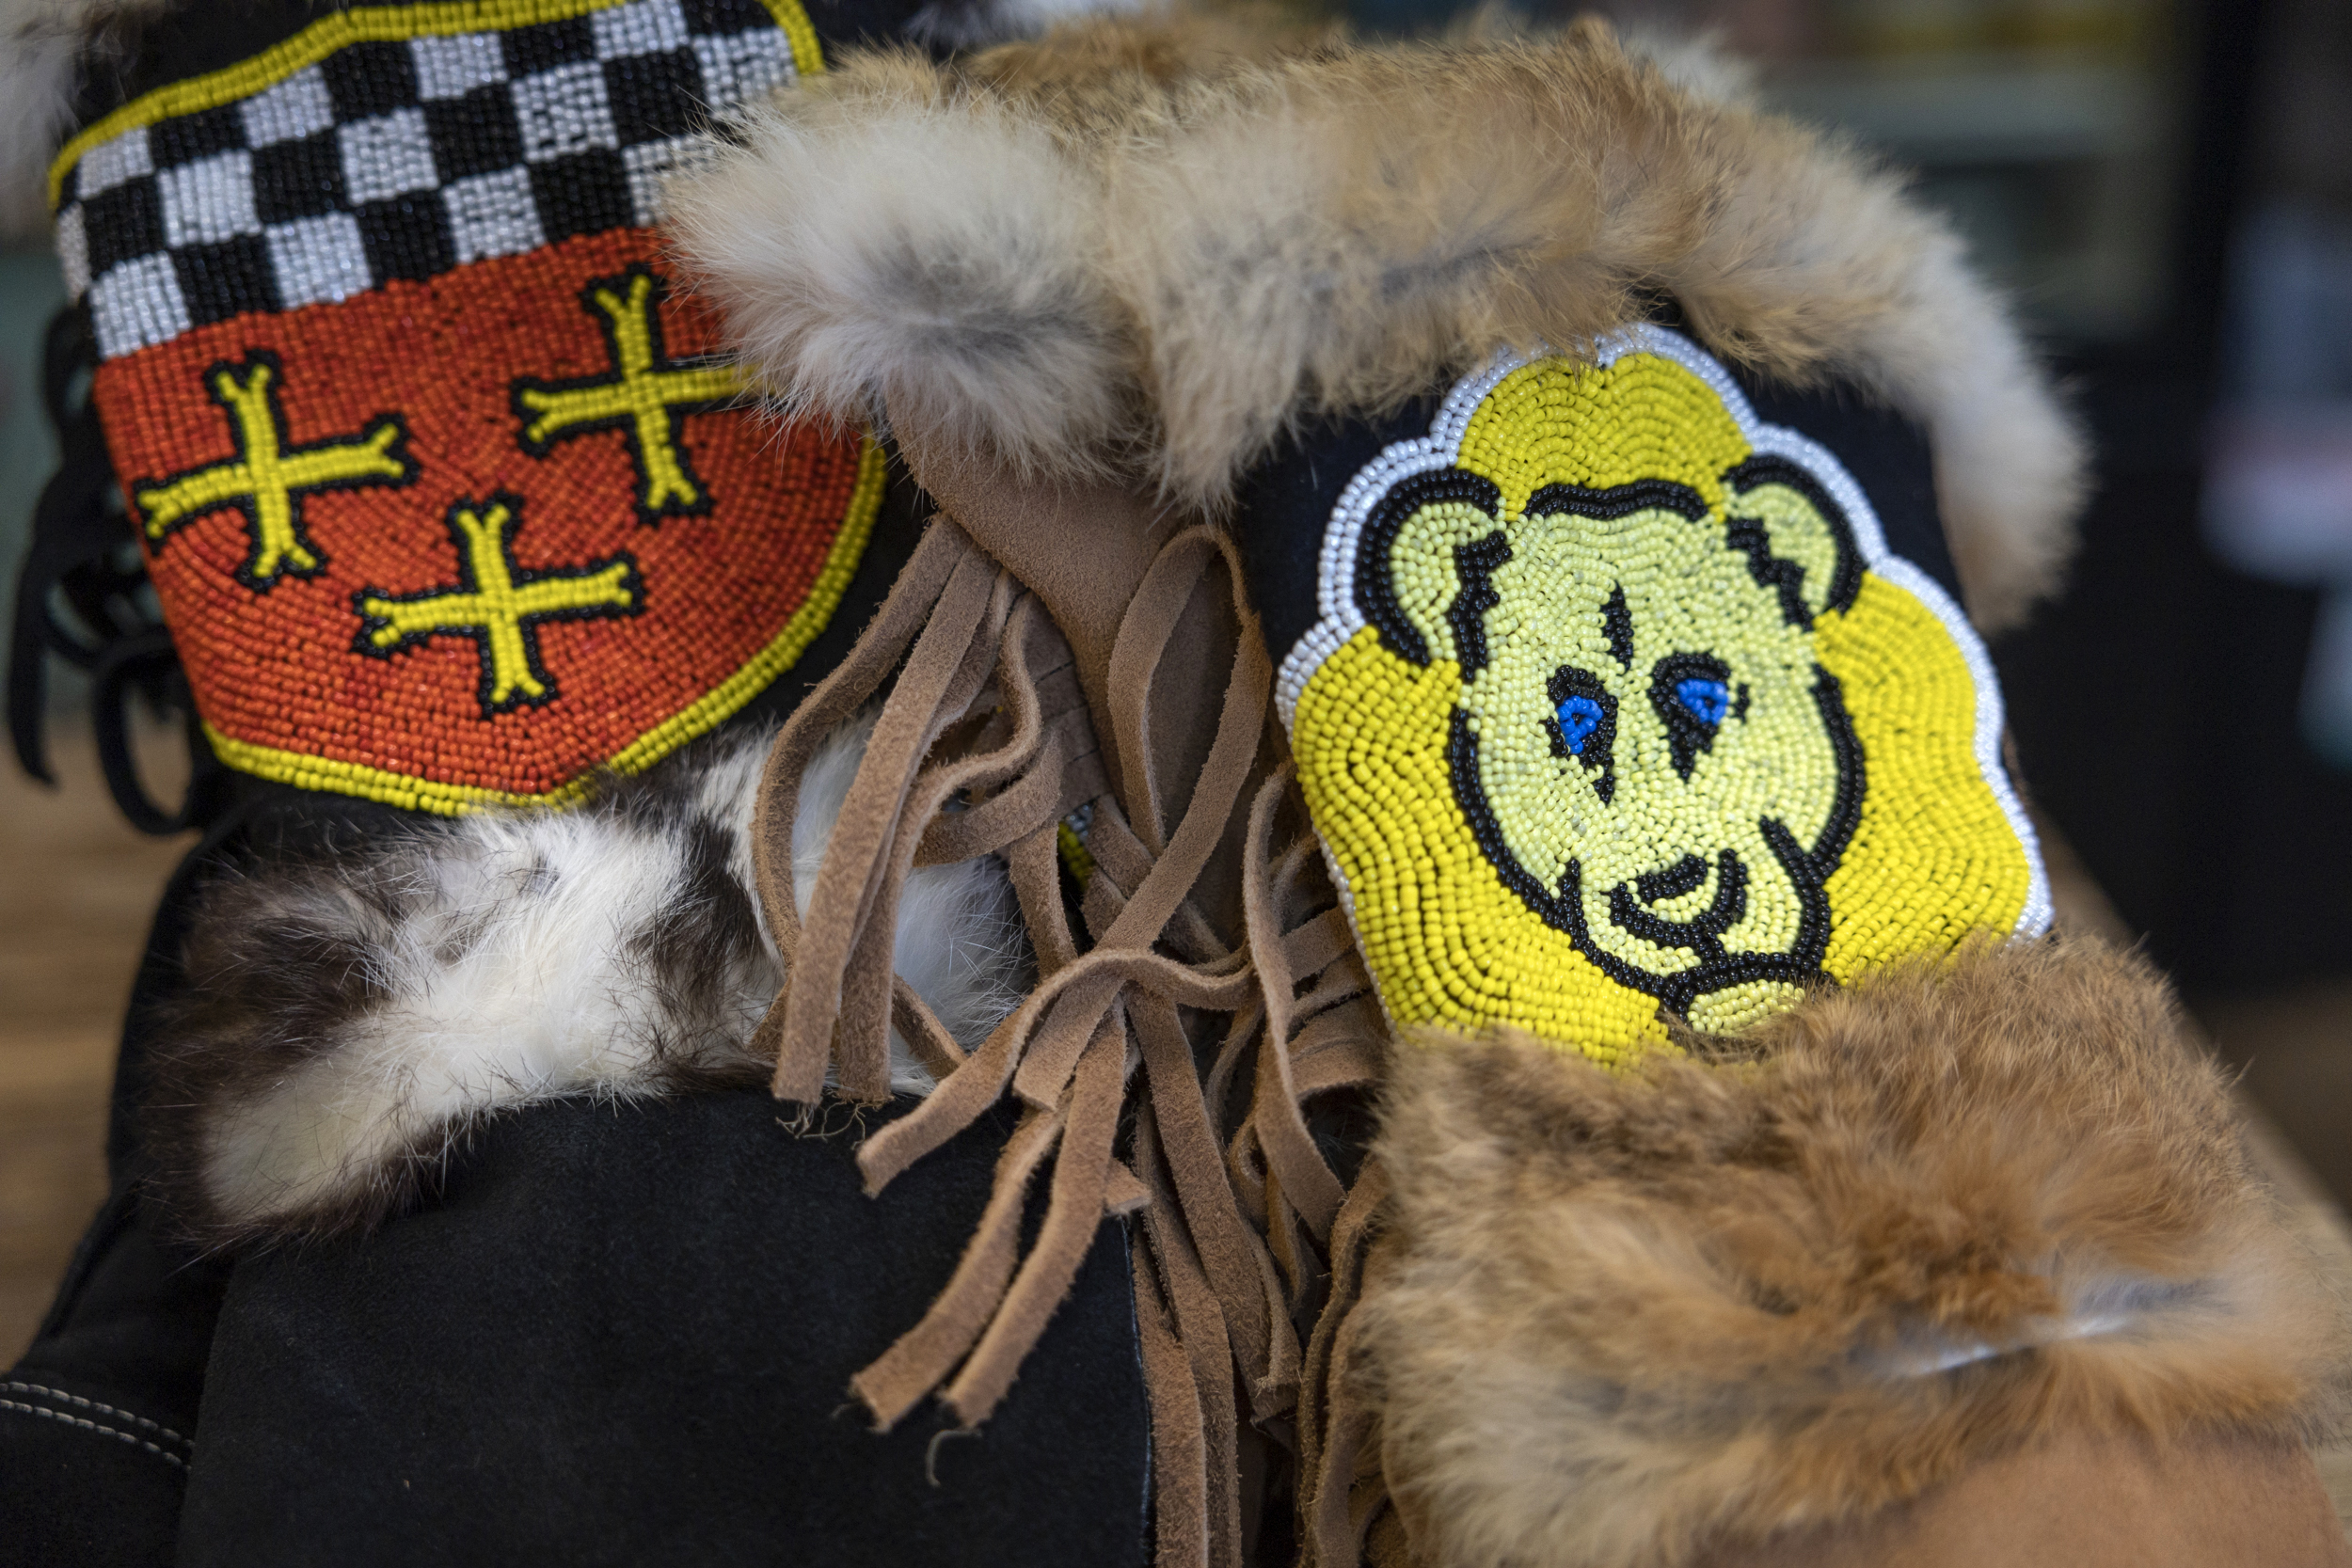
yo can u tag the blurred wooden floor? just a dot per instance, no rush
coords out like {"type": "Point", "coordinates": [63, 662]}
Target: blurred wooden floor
{"type": "Point", "coordinates": [77, 888]}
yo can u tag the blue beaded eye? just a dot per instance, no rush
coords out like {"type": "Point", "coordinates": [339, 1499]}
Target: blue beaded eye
{"type": "Point", "coordinates": [1579, 718]}
{"type": "Point", "coordinates": [1706, 700]}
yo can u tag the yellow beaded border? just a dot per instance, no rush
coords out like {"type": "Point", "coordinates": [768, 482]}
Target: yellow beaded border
{"type": "Point", "coordinates": [705, 714]}
{"type": "Point", "coordinates": [371, 25]}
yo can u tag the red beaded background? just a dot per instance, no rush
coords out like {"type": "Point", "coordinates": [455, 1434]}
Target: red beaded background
{"type": "Point", "coordinates": [277, 667]}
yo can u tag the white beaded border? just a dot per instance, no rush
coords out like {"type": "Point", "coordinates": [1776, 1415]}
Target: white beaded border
{"type": "Point", "coordinates": [1439, 448]}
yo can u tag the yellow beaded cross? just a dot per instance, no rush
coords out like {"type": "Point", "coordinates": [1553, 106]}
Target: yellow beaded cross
{"type": "Point", "coordinates": [646, 396]}
{"type": "Point", "coordinates": [498, 603]}
{"type": "Point", "coordinates": [1620, 709]}
{"type": "Point", "coordinates": [269, 475]}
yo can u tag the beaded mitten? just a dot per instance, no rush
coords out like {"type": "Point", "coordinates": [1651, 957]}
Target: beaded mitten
{"type": "Point", "coordinates": [446, 495]}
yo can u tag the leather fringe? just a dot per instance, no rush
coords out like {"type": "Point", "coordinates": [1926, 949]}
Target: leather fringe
{"type": "Point", "coordinates": [1251, 1247]}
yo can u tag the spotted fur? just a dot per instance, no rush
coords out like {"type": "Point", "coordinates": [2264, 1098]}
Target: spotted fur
{"type": "Point", "coordinates": [347, 1017]}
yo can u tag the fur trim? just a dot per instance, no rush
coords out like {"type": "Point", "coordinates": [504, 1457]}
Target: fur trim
{"type": "Point", "coordinates": [892, 245]}
{"type": "Point", "coordinates": [43, 44]}
{"type": "Point", "coordinates": [1699, 65]}
{"type": "Point", "coordinates": [1620, 1318]}
{"type": "Point", "coordinates": [347, 1020]}
{"type": "Point", "coordinates": [940, 270]}
{"type": "Point", "coordinates": [1162, 247]}
{"type": "Point", "coordinates": [974, 24]}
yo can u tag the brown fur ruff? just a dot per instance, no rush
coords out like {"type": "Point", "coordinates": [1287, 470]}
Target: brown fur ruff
{"type": "Point", "coordinates": [1154, 248]}
{"type": "Point", "coordinates": [1621, 1318]}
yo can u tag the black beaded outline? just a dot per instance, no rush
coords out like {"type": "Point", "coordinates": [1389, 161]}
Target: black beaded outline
{"type": "Point", "coordinates": [397, 449]}
{"type": "Point", "coordinates": [1616, 500]}
{"type": "Point", "coordinates": [676, 413]}
{"type": "Point", "coordinates": [1751, 538]}
{"type": "Point", "coordinates": [1474, 567]}
{"type": "Point", "coordinates": [1808, 872]}
{"type": "Point", "coordinates": [1616, 624]}
{"type": "Point", "coordinates": [1376, 588]}
{"type": "Point", "coordinates": [480, 636]}
{"type": "Point", "coordinates": [1599, 755]}
{"type": "Point", "coordinates": [1688, 735]}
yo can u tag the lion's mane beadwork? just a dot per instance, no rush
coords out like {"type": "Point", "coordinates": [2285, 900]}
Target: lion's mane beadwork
{"type": "Point", "coordinates": [1620, 708]}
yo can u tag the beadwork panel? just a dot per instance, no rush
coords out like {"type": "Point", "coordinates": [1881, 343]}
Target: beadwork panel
{"type": "Point", "coordinates": [387, 142]}
{"type": "Point", "coordinates": [469, 540]}
{"type": "Point", "coordinates": [446, 495]}
{"type": "Point", "coordinates": [1618, 707]}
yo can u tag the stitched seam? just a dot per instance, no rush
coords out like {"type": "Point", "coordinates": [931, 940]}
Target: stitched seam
{"type": "Point", "coordinates": [77, 1400]}
{"type": "Point", "coordinates": [116, 1432]}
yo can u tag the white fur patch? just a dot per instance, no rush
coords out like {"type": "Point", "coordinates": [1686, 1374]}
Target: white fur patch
{"type": "Point", "coordinates": [961, 24]}
{"type": "Point", "coordinates": [936, 263]}
{"type": "Point", "coordinates": [516, 971]}
{"type": "Point", "coordinates": [40, 43]}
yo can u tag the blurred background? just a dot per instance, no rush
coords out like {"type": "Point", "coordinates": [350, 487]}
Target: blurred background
{"type": "Point", "coordinates": [2167, 189]}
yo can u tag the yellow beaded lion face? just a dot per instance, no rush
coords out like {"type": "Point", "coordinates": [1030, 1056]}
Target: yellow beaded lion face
{"type": "Point", "coordinates": [1619, 706]}
{"type": "Point", "coordinates": [1644, 744]}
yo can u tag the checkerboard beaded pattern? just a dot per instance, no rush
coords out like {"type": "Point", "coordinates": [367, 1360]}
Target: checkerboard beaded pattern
{"type": "Point", "coordinates": [401, 159]}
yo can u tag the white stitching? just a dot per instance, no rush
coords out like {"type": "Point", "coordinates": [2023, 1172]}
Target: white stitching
{"type": "Point", "coordinates": [115, 1433]}
{"type": "Point", "coordinates": [93, 1404]}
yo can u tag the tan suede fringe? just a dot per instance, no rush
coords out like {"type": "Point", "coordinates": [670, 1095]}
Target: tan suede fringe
{"type": "Point", "coordinates": [985, 743]}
